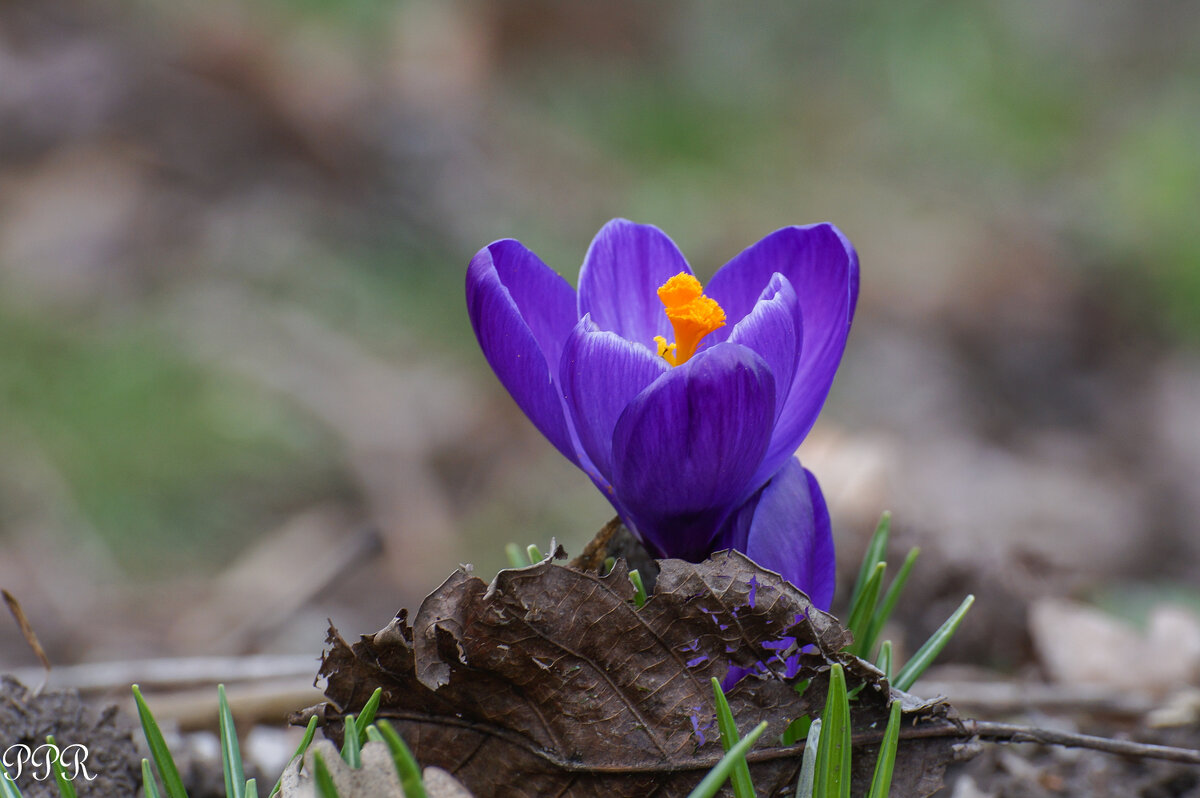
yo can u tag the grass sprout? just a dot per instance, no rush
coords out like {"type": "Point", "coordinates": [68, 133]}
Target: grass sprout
{"type": "Point", "coordinates": [716, 777]}
{"type": "Point", "coordinates": [743, 786]}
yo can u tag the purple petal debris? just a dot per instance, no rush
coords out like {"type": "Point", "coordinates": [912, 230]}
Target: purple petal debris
{"type": "Point", "coordinates": [697, 729]}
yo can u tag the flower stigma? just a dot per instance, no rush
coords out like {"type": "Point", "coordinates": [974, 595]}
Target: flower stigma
{"type": "Point", "coordinates": [692, 315]}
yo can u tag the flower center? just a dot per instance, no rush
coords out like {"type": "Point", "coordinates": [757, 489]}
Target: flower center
{"type": "Point", "coordinates": [692, 315]}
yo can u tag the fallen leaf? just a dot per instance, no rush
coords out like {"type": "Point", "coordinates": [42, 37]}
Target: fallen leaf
{"type": "Point", "coordinates": [549, 681]}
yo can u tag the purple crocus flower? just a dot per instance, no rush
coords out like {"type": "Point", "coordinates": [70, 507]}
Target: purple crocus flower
{"type": "Point", "coordinates": [684, 405]}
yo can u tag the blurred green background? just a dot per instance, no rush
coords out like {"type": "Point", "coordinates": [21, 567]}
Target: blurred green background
{"type": "Point", "coordinates": [233, 238]}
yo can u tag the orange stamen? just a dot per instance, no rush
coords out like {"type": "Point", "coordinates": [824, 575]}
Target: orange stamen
{"type": "Point", "coordinates": [692, 315]}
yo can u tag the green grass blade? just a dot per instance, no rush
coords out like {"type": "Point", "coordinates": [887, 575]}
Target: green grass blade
{"type": "Point", "coordinates": [808, 764]}
{"type": "Point", "coordinates": [639, 588]}
{"type": "Point", "coordinates": [927, 653]}
{"type": "Point", "coordinates": [8, 787]}
{"type": "Point", "coordinates": [149, 784]}
{"type": "Point", "coordinates": [716, 777]}
{"type": "Point", "coordinates": [881, 783]}
{"type": "Point", "coordinates": [833, 753]}
{"type": "Point", "coordinates": [863, 609]}
{"type": "Point", "coordinates": [231, 754]}
{"type": "Point", "coordinates": [535, 554]}
{"type": "Point", "coordinates": [884, 662]}
{"type": "Point", "coordinates": [515, 559]}
{"type": "Point", "coordinates": [796, 730]}
{"type": "Point", "coordinates": [305, 742]}
{"type": "Point", "coordinates": [251, 790]}
{"type": "Point", "coordinates": [367, 715]}
{"type": "Point", "coordinates": [875, 554]}
{"type": "Point", "coordinates": [743, 786]}
{"type": "Point", "coordinates": [351, 750]}
{"type": "Point", "coordinates": [890, 599]}
{"type": "Point", "coordinates": [172, 783]}
{"type": "Point", "coordinates": [406, 764]}
{"type": "Point", "coordinates": [322, 778]}
{"type": "Point", "coordinates": [65, 788]}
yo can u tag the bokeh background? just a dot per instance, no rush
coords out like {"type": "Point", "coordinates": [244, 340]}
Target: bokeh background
{"type": "Point", "coordinates": [239, 393]}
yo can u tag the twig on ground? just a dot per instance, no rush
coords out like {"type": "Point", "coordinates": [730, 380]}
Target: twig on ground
{"type": "Point", "coordinates": [18, 614]}
{"type": "Point", "coordinates": [1012, 733]}
{"type": "Point", "coordinates": [322, 571]}
{"type": "Point", "coordinates": [1001, 697]}
{"type": "Point", "coordinates": [266, 703]}
{"type": "Point", "coordinates": [176, 672]}
{"type": "Point", "coordinates": [964, 729]}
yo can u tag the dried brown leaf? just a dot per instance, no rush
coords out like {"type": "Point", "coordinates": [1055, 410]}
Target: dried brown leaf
{"type": "Point", "coordinates": [549, 681]}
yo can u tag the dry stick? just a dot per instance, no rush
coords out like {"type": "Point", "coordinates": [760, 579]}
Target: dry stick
{"type": "Point", "coordinates": [1014, 733]}
{"type": "Point", "coordinates": [963, 730]}
{"type": "Point", "coordinates": [168, 673]}
{"type": "Point", "coordinates": [1011, 733]}
{"type": "Point", "coordinates": [1000, 697]}
{"type": "Point", "coordinates": [18, 614]}
{"type": "Point", "coordinates": [266, 703]}
{"type": "Point", "coordinates": [362, 547]}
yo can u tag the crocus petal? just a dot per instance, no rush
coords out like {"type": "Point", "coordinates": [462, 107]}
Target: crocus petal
{"type": "Point", "coordinates": [621, 274]}
{"type": "Point", "coordinates": [822, 267]}
{"type": "Point", "coordinates": [600, 374]}
{"type": "Point", "coordinates": [543, 297]}
{"type": "Point", "coordinates": [785, 527]}
{"type": "Point", "coordinates": [522, 313]}
{"type": "Point", "coordinates": [773, 329]}
{"type": "Point", "coordinates": [685, 447]}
